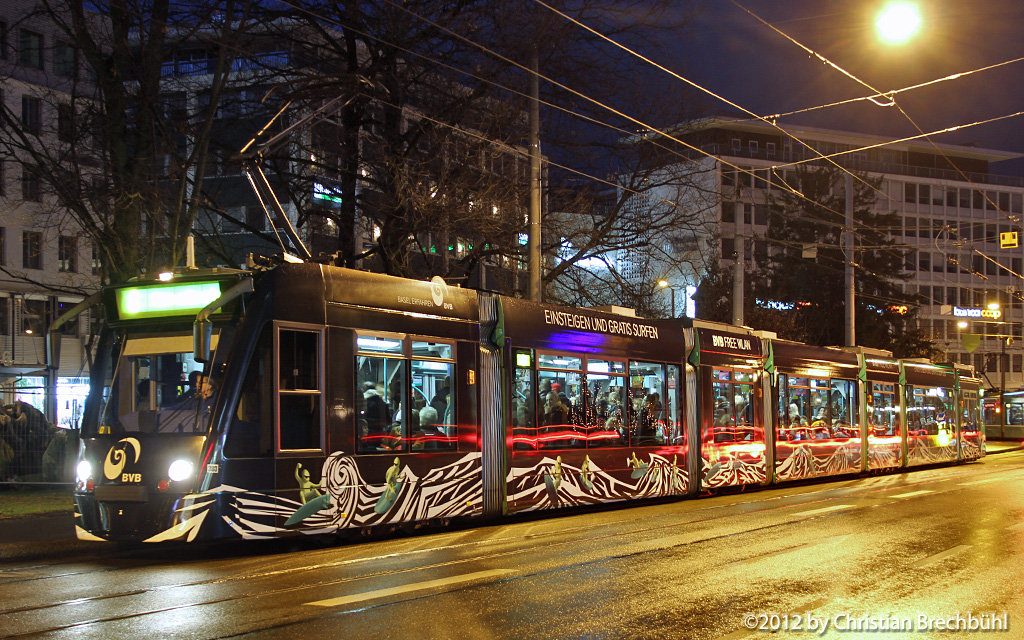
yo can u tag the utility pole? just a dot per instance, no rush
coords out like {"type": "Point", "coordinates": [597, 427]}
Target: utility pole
{"type": "Point", "coordinates": [851, 332]}
{"type": "Point", "coordinates": [737, 269]}
{"type": "Point", "coordinates": [535, 234]}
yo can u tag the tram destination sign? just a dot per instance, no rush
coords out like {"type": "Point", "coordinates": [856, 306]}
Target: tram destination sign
{"type": "Point", "coordinates": [165, 300]}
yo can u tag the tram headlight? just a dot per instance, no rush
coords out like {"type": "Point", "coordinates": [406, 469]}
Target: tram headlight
{"type": "Point", "coordinates": [179, 470]}
{"type": "Point", "coordinates": [83, 471]}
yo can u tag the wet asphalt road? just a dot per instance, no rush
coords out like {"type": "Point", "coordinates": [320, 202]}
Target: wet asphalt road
{"type": "Point", "coordinates": [913, 549]}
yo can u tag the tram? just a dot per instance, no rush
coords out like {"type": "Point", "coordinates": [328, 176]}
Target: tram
{"type": "Point", "coordinates": [306, 398]}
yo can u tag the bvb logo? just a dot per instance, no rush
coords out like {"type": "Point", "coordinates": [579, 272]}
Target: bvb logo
{"type": "Point", "coordinates": [117, 457]}
{"type": "Point", "coordinates": [437, 287]}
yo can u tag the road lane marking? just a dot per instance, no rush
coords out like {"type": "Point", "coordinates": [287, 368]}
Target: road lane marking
{"type": "Point", "coordinates": [939, 557]}
{"type": "Point", "coordinates": [814, 512]}
{"type": "Point", "coordinates": [407, 588]}
{"type": "Point", "coordinates": [913, 493]}
{"type": "Point", "coordinates": [985, 481]}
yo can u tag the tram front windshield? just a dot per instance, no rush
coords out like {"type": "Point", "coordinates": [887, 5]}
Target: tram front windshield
{"type": "Point", "coordinates": [158, 387]}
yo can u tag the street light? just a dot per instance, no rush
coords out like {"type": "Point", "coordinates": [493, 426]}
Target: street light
{"type": "Point", "coordinates": [663, 284]}
{"type": "Point", "coordinates": [898, 22]}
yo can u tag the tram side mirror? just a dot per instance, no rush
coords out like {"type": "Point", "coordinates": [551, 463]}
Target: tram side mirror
{"type": "Point", "coordinates": [53, 349]}
{"type": "Point", "coordinates": [202, 334]}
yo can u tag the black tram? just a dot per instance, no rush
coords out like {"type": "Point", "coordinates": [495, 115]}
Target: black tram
{"type": "Point", "coordinates": [309, 399]}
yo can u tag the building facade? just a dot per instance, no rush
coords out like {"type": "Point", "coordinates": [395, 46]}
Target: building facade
{"type": "Point", "coordinates": [47, 263]}
{"type": "Point", "coordinates": [957, 215]}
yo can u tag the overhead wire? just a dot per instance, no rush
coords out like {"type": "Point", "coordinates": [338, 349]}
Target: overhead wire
{"type": "Point", "coordinates": [893, 92]}
{"type": "Point", "coordinates": [846, 73]}
{"type": "Point", "coordinates": [618, 112]}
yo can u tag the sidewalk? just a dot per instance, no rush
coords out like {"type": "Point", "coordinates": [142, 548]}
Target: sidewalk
{"type": "Point", "coordinates": [51, 535]}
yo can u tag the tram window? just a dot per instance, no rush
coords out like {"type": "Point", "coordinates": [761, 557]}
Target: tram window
{"type": "Point", "coordinates": [300, 422]}
{"type": "Point", "coordinates": [405, 398]}
{"type": "Point", "coordinates": [252, 425]}
{"type": "Point", "coordinates": [432, 411]}
{"type": "Point", "coordinates": [674, 433]}
{"type": "Point", "coordinates": [927, 410]}
{"type": "Point", "coordinates": [563, 404]}
{"type": "Point", "coordinates": [782, 419]}
{"type": "Point", "coordinates": [884, 421]}
{"type": "Point", "coordinates": [969, 409]}
{"type": "Point", "coordinates": [299, 416]}
{"type": "Point", "coordinates": [843, 409]}
{"type": "Point", "coordinates": [524, 404]}
{"type": "Point", "coordinates": [299, 360]}
{"type": "Point", "coordinates": [732, 399]}
{"type": "Point", "coordinates": [606, 398]}
{"type": "Point", "coordinates": [381, 397]}
{"type": "Point", "coordinates": [647, 389]}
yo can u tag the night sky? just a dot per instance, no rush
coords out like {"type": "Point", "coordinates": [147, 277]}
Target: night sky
{"type": "Point", "coordinates": [739, 58]}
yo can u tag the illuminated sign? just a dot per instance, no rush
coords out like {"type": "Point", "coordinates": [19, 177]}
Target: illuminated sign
{"type": "Point", "coordinates": [157, 301]}
{"type": "Point", "coordinates": [323, 192]}
{"type": "Point", "coordinates": [995, 314]}
{"type": "Point", "coordinates": [730, 342]}
{"type": "Point", "coordinates": [581, 322]}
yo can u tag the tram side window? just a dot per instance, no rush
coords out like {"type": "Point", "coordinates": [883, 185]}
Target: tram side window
{"type": "Point", "coordinates": [563, 403]}
{"type": "Point", "coordinates": [606, 399]}
{"type": "Point", "coordinates": [674, 433]}
{"type": "Point", "coordinates": [884, 420]}
{"type": "Point", "coordinates": [381, 421]}
{"type": "Point", "coordinates": [732, 393]}
{"type": "Point", "coordinates": [970, 411]}
{"type": "Point", "coordinates": [843, 409]}
{"type": "Point", "coordinates": [432, 412]}
{"type": "Point", "coordinates": [524, 403]}
{"type": "Point", "coordinates": [821, 397]}
{"type": "Point", "coordinates": [782, 418]}
{"type": "Point", "coordinates": [798, 409]}
{"type": "Point", "coordinates": [252, 424]}
{"type": "Point", "coordinates": [299, 391]}
{"type": "Point", "coordinates": [647, 391]}
{"type": "Point", "coordinates": [927, 410]}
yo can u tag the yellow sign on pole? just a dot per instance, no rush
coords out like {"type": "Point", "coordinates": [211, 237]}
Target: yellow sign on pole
{"type": "Point", "coordinates": [1008, 240]}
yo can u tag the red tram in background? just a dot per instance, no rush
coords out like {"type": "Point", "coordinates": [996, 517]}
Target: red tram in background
{"type": "Point", "coordinates": [306, 398]}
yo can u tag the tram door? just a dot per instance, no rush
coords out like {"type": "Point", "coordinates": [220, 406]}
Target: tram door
{"type": "Point", "coordinates": [299, 409]}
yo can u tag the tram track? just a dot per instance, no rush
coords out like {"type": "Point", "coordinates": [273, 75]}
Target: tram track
{"type": "Point", "coordinates": [639, 547]}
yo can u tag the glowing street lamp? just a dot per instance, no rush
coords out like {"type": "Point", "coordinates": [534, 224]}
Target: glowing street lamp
{"type": "Point", "coordinates": [898, 22]}
{"type": "Point", "coordinates": [665, 284]}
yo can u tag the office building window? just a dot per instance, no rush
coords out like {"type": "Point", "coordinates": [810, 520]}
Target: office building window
{"type": "Point", "coordinates": [31, 112]}
{"type": "Point", "coordinates": [32, 250]}
{"type": "Point", "coordinates": [30, 51]}
{"type": "Point", "coordinates": [30, 186]}
{"type": "Point", "coordinates": [65, 60]}
{"type": "Point", "coordinates": [65, 122]}
{"type": "Point", "coordinates": [97, 265]}
{"type": "Point", "coordinates": [67, 254]}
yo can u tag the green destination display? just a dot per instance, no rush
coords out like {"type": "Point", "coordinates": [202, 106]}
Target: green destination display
{"type": "Point", "coordinates": [154, 301]}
